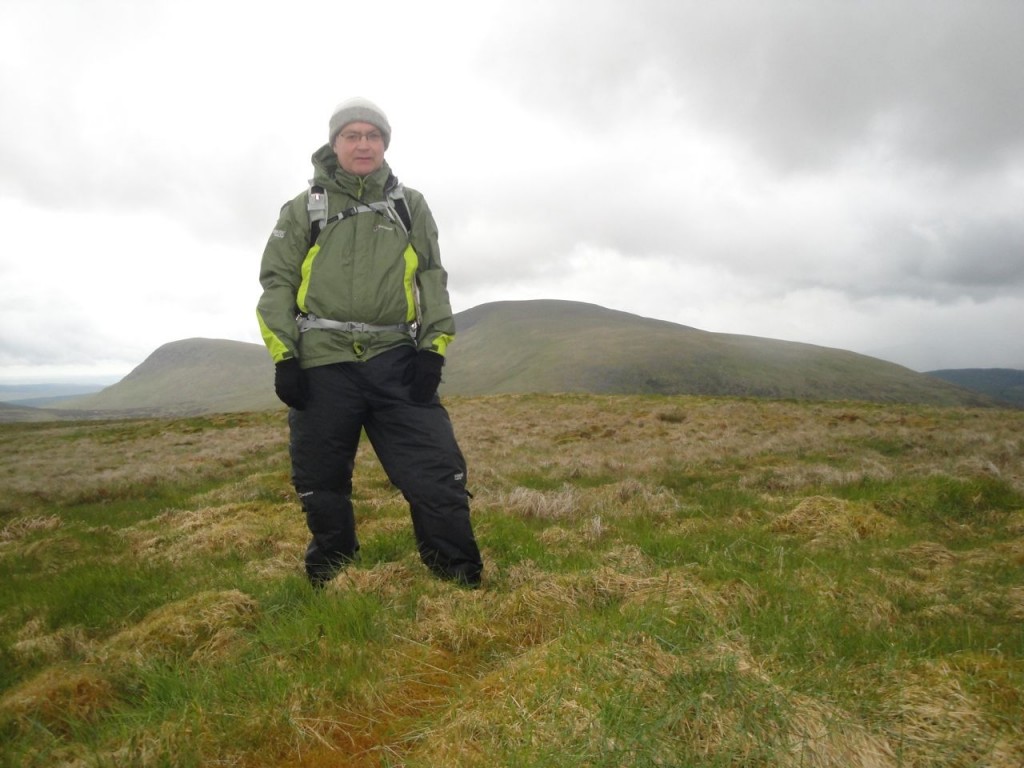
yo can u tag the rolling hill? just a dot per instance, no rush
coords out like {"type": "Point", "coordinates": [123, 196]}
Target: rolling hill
{"type": "Point", "coordinates": [1003, 384]}
{"type": "Point", "coordinates": [545, 346]}
{"type": "Point", "coordinates": [187, 377]}
{"type": "Point", "coordinates": [562, 346]}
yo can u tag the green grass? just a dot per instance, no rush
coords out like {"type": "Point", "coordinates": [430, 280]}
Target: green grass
{"type": "Point", "coordinates": [669, 581]}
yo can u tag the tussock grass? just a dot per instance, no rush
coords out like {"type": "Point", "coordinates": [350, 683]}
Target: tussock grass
{"type": "Point", "coordinates": [828, 521]}
{"type": "Point", "coordinates": [669, 582]}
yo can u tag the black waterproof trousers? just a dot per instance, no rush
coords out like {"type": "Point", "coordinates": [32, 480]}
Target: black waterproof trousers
{"type": "Point", "coordinates": [416, 446]}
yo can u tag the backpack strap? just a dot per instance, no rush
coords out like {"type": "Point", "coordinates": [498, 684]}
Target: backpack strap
{"type": "Point", "coordinates": [394, 207]}
{"type": "Point", "coordinates": [396, 194]}
{"type": "Point", "coordinates": [316, 207]}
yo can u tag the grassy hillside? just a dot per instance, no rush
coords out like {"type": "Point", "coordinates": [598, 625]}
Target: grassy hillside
{"type": "Point", "coordinates": [188, 377]}
{"type": "Point", "coordinates": [541, 346]}
{"type": "Point", "coordinates": [1003, 384]}
{"type": "Point", "coordinates": [669, 581]}
{"type": "Point", "coordinates": [561, 346]}
{"type": "Point", "coordinates": [9, 412]}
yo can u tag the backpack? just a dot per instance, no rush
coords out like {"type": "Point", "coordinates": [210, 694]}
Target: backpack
{"type": "Point", "coordinates": [394, 208]}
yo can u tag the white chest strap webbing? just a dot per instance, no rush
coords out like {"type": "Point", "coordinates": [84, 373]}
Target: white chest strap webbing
{"type": "Point", "coordinates": [310, 321]}
{"type": "Point", "coordinates": [394, 208]}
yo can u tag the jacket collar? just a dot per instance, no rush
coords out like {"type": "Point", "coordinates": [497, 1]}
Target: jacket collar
{"type": "Point", "coordinates": [330, 175]}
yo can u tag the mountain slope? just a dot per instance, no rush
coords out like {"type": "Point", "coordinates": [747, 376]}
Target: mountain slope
{"type": "Point", "coordinates": [191, 376]}
{"type": "Point", "coordinates": [561, 346]}
{"type": "Point", "coordinates": [543, 346]}
{"type": "Point", "coordinates": [1003, 384]}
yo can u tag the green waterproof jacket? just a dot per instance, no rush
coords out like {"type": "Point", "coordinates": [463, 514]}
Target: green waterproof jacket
{"type": "Point", "coordinates": [362, 269]}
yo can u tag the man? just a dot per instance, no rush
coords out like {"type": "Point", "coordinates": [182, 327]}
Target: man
{"type": "Point", "coordinates": [357, 320]}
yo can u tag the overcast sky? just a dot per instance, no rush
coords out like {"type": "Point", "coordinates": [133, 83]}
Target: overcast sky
{"type": "Point", "coordinates": [848, 174]}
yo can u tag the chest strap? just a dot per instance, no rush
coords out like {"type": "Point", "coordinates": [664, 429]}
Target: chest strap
{"type": "Point", "coordinates": [383, 207]}
{"type": "Point", "coordinates": [310, 321]}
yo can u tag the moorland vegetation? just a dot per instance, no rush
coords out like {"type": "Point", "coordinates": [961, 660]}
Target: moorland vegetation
{"type": "Point", "coordinates": [670, 581]}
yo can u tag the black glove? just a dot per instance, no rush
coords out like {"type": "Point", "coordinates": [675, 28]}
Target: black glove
{"type": "Point", "coordinates": [290, 383]}
{"type": "Point", "coordinates": [424, 373]}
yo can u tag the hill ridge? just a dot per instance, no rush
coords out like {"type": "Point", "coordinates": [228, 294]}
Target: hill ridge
{"type": "Point", "coordinates": [1005, 385]}
{"type": "Point", "coordinates": [545, 346]}
{"type": "Point", "coordinates": [562, 346]}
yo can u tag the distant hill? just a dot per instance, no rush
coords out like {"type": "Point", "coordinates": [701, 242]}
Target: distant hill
{"type": "Point", "coordinates": [188, 377]}
{"type": "Point", "coordinates": [563, 346]}
{"type": "Point", "coordinates": [540, 346]}
{"type": "Point", "coordinates": [1004, 384]}
{"type": "Point", "coordinates": [41, 395]}
{"type": "Point", "coordinates": [21, 413]}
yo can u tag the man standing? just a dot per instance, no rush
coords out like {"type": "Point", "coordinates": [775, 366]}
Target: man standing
{"type": "Point", "coordinates": [356, 317]}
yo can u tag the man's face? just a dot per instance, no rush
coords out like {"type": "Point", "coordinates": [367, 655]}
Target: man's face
{"type": "Point", "coordinates": [360, 148]}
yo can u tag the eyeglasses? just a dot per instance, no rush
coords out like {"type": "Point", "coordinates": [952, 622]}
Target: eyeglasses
{"type": "Point", "coordinates": [354, 137]}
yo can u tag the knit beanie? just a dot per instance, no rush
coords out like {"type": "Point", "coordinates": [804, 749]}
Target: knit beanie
{"type": "Point", "coordinates": [359, 110]}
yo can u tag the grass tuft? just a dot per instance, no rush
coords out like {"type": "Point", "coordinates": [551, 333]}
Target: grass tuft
{"type": "Point", "coordinates": [668, 581]}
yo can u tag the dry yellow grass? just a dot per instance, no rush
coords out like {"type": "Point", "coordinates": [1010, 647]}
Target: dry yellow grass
{"type": "Point", "coordinates": [535, 701]}
{"type": "Point", "coordinates": [65, 463]}
{"type": "Point", "coordinates": [58, 696]}
{"type": "Point", "coordinates": [200, 628]}
{"type": "Point", "coordinates": [629, 437]}
{"type": "Point", "coordinates": [828, 521]}
{"type": "Point", "coordinates": [589, 644]}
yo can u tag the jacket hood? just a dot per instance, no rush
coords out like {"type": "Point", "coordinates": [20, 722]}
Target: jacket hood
{"type": "Point", "coordinates": [329, 174]}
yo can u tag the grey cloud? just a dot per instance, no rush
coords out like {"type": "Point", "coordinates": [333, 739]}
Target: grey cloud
{"type": "Point", "coordinates": [868, 151]}
{"type": "Point", "coordinates": [865, 98]}
{"type": "Point", "coordinates": [147, 113]}
{"type": "Point", "coordinates": [804, 83]}
{"type": "Point", "coordinates": [982, 257]}
{"type": "Point", "coordinates": [219, 196]}
{"type": "Point", "coordinates": [979, 259]}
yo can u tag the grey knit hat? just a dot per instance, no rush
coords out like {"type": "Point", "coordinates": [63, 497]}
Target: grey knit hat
{"type": "Point", "coordinates": [359, 110]}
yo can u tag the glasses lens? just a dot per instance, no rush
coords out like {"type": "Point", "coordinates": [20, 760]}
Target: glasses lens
{"type": "Point", "coordinates": [354, 138]}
